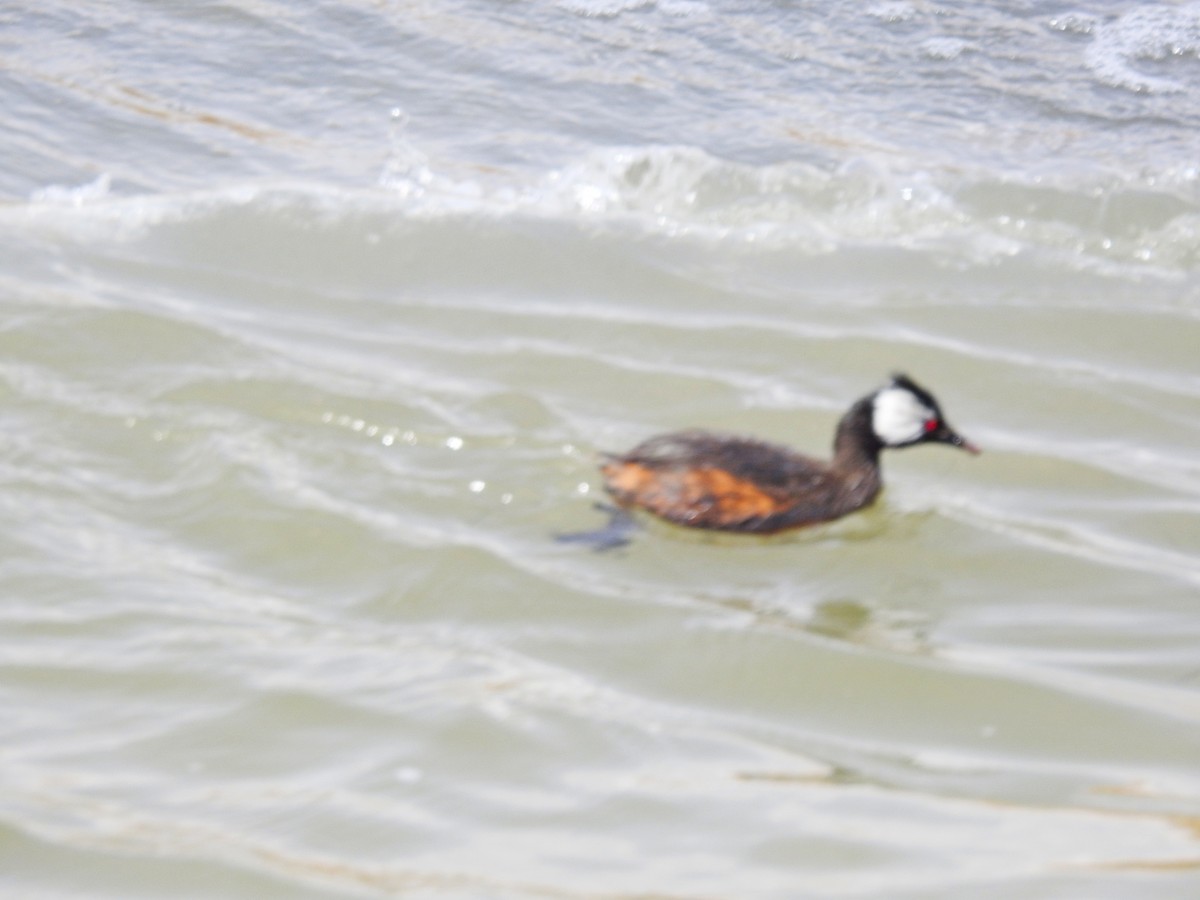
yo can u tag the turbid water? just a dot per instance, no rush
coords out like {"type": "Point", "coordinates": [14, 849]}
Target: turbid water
{"type": "Point", "coordinates": [313, 317]}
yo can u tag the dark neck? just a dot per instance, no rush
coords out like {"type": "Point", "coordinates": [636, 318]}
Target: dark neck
{"type": "Point", "coordinates": [855, 445]}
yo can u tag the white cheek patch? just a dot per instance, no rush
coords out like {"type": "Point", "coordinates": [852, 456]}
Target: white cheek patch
{"type": "Point", "coordinates": [898, 417]}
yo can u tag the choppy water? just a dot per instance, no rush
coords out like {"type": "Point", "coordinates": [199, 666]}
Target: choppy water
{"type": "Point", "coordinates": [313, 315]}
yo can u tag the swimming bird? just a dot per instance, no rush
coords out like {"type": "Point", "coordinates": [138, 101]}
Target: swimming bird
{"type": "Point", "coordinates": [702, 479]}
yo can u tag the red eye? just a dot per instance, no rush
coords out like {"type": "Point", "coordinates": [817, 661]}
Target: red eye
{"type": "Point", "coordinates": [931, 425]}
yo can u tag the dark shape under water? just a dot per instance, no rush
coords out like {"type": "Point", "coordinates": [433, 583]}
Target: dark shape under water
{"type": "Point", "coordinates": [617, 532]}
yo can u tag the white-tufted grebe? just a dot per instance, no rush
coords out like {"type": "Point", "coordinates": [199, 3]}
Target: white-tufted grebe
{"type": "Point", "coordinates": [728, 483]}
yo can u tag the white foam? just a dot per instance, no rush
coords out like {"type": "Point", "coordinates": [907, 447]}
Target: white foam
{"type": "Point", "coordinates": [892, 11]}
{"type": "Point", "coordinates": [1152, 33]}
{"type": "Point", "coordinates": [602, 9]}
{"type": "Point", "coordinates": [945, 48]}
{"type": "Point", "coordinates": [683, 192]}
{"type": "Point", "coordinates": [610, 9]}
{"type": "Point", "coordinates": [77, 196]}
{"type": "Point", "coordinates": [684, 8]}
{"type": "Point", "coordinates": [1075, 22]}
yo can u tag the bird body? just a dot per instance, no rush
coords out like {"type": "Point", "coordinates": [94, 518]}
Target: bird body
{"type": "Point", "coordinates": [703, 479]}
